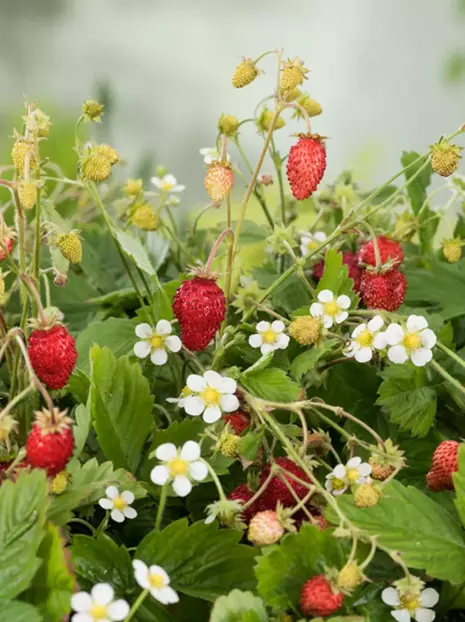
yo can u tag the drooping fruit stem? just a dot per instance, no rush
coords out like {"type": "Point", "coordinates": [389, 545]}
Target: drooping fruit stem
{"type": "Point", "coordinates": [35, 297]}
{"type": "Point", "coordinates": [215, 247]}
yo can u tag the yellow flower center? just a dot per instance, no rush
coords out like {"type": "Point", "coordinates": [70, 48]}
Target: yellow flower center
{"type": "Point", "coordinates": [312, 244]}
{"type": "Point", "coordinates": [269, 336]}
{"type": "Point", "coordinates": [412, 341]}
{"type": "Point", "coordinates": [156, 342]}
{"type": "Point", "coordinates": [353, 475]}
{"type": "Point", "coordinates": [211, 397]}
{"type": "Point", "coordinates": [167, 186]}
{"type": "Point", "coordinates": [331, 308]}
{"type": "Point", "coordinates": [410, 603]}
{"type": "Point", "coordinates": [119, 503]}
{"type": "Point", "coordinates": [338, 484]}
{"type": "Point", "coordinates": [186, 392]}
{"type": "Point", "coordinates": [364, 338]}
{"type": "Point", "coordinates": [178, 467]}
{"type": "Point", "coordinates": [98, 612]}
{"type": "Point", "coordinates": [157, 581]}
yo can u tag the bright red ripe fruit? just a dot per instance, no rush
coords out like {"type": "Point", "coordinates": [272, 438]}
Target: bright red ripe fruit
{"type": "Point", "coordinates": [8, 243]}
{"type": "Point", "coordinates": [244, 494]}
{"type": "Point", "coordinates": [443, 464]}
{"type": "Point", "coordinates": [238, 420]}
{"type": "Point", "coordinates": [317, 597]}
{"type": "Point", "coordinates": [50, 443]}
{"type": "Point", "coordinates": [200, 306]}
{"type": "Point", "coordinates": [306, 165]}
{"type": "Point", "coordinates": [53, 355]}
{"type": "Point", "coordinates": [277, 489]}
{"type": "Point", "coordinates": [389, 251]}
{"type": "Point", "coordinates": [350, 260]}
{"type": "Point", "coordinates": [383, 290]}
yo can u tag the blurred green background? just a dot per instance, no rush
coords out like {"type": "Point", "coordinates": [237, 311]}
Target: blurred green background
{"type": "Point", "coordinates": [390, 74]}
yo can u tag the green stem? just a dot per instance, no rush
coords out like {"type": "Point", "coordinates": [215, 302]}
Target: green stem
{"type": "Point", "coordinates": [229, 262]}
{"type": "Point", "coordinates": [103, 525]}
{"type": "Point", "coordinates": [447, 376]}
{"type": "Point", "coordinates": [140, 599]}
{"type": "Point", "coordinates": [216, 480]}
{"type": "Point", "coordinates": [161, 507]}
{"type": "Point", "coordinates": [277, 164]}
{"type": "Point", "coordinates": [38, 237]}
{"type": "Point", "coordinates": [452, 354]}
{"type": "Point", "coordinates": [82, 522]}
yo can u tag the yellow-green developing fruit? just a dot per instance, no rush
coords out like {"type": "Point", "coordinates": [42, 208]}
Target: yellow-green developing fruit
{"type": "Point", "coordinates": [445, 158]}
{"type": "Point", "coordinates": [245, 73]}
{"type": "Point", "coordinates": [108, 152]}
{"type": "Point", "coordinates": [366, 496]}
{"type": "Point", "coordinates": [305, 329]}
{"type": "Point", "coordinates": [452, 250]}
{"type": "Point", "coordinates": [264, 121]}
{"type": "Point", "coordinates": [19, 153]}
{"type": "Point", "coordinates": [228, 124]}
{"type": "Point", "coordinates": [70, 246]}
{"type": "Point", "coordinates": [145, 218]}
{"type": "Point", "coordinates": [59, 483]}
{"type": "Point", "coordinates": [133, 187]}
{"type": "Point", "coordinates": [92, 110]}
{"type": "Point", "coordinates": [293, 73]}
{"type": "Point", "coordinates": [27, 192]}
{"type": "Point", "coordinates": [96, 167]}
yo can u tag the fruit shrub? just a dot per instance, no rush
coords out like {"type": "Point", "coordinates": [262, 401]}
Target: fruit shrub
{"type": "Point", "coordinates": [184, 429]}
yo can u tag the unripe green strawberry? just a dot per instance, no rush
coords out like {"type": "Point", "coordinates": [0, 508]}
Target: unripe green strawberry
{"type": "Point", "coordinates": [445, 158]}
{"type": "Point", "coordinates": [27, 192]}
{"type": "Point", "coordinates": [245, 73]}
{"type": "Point", "coordinates": [349, 577]}
{"type": "Point", "coordinates": [96, 167]}
{"type": "Point", "coordinates": [452, 250]}
{"type": "Point", "coordinates": [70, 246]}
{"type": "Point", "coordinates": [293, 73]}
{"type": "Point", "coordinates": [366, 496]}
{"type": "Point", "coordinates": [265, 528]}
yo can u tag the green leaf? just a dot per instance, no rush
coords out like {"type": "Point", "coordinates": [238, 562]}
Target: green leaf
{"type": "Point", "coordinates": [22, 517]}
{"type": "Point", "coordinates": [306, 361]}
{"type": "Point", "coordinates": [79, 385]}
{"type": "Point", "coordinates": [118, 334]}
{"type": "Point", "coordinates": [158, 248]}
{"type": "Point", "coordinates": [53, 584]}
{"type": "Point", "coordinates": [250, 444]}
{"type": "Point", "coordinates": [459, 484]}
{"type": "Point", "coordinates": [260, 364]}
{"type": "Point", "coordinates": [201, 560]}
{"type": "Point", "coordinates": [121, 406]}
{"type": "Point", "coordinates": [417, 193]}
{"type": "Point", "coordinates": [291, 294]}
{"type": "Point", "coordinates": [283, 569]}
{"type": "Point", "coordinates": [87, 485]}
{"type": "Point", "coordinates": [271, 384]}
{"type": "Point", "coordinates": [81, 428]}
{"type": "Point", "coordinates": [236, 605]}
{"type": "Point", "coordinates": [133, 248]}
{"type": "Point", "coordinates": [404, 394]}
{"type": "Point", "coordinates": [17, 611]}
{"type": "Point", "coordinates": [336, 276]}
{"type": "Point", "coordinates": [100, 559]}
{"type": "Point", "coordinates": [408, 521]}
{"type": "Point", "coordinates": [100, 262]}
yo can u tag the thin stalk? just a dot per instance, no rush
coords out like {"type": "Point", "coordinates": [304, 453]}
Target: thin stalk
{"type": "Point", "coordinates": [38, 237]}
{"type": "Point", "coordinates": [140, 599]}
{"type": "Point", "coordinates": [447, 376]}
{"type": "Point", "coordinates": [161, 507]}
{"type": "Point", "coordinates": [450, 353]}
{"type": "Point", "coordinates": [229, 261]}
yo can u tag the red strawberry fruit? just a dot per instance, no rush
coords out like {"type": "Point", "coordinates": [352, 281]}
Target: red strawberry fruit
{"type": "Point", "coordinates": [383, 290]}
{"type": "Point", "coordinates": [350, 260]}
{"type": "Point", "coordinates": [244, 494]}
{"type": "Point", "coordinates": [306, 165]}
{"type": "Point", "coordinates": [318, 597]}
{"type": "Point", "coordinates": [7, 237]}
{"type": "Point", "coordinates": [53, 354]}
{"type": "Point", "coordinates": [50, 443]}
{"type": "Point", "coordinates": [200, 306]}
{"type": "Point", "coordinates": [238, 420]}
{"type": "Point", "coordinates": [389, 251]}
{"type": "Point", "coordinates": [444, 463]}
{"type": "Point", "coordinates": [277, 490]}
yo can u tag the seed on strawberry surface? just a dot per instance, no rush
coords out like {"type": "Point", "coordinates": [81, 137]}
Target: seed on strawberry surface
{"type": "Point", "coordinates": [383, 290]}
{"type": "Point", "coordinates": [319, 598]}
{"type": "Point", "coordinates": [306, 165]}
{"type": "Point", "coordinates": [245, 73]}
{"type": "Point", "coordinates": [244, 494]}
{"type": "Point", "coordinates": [50, 443]}
{"type": "Point", "coordinates": [279, 488]}
{"type": "Point", "coordinates": [53, 354]}
{"type": "Point", "coordinates": [389, 251]}
{"type": "Point", "coordinates": [444, 463]}
{"type": "Point", "coordinates": [219, 181]}
{"type": "Point", "coordinates": [445, 158]}
{"type": "Point", "coordinates": [238, 420]}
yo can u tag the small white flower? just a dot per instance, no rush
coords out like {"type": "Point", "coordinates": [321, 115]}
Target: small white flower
{"type": "Point", "coordinates": [210, 154]}
{"type": "Point", "coordinates": [119, 504]}
{"type": "Point", "coordinates": [180, 400]}
{"type": "Point", "coordinates": [365, 339]}
{"type": "Point", "coordinates": [269, 337]}
{"type": "Point", "coordinates": [310, 241]}
{"type": "Point", "coordinates": [211, 395]}
{"type": "Point", "coordinates": [179, 467]}
{"type": "Point", "coordinates": [98, 606]}
{"type": "Point", "coordinates": [414, 342]}
{"type": "Point", "coordinates": [411, 606]}
{"type": "Point", "coordinates": [330, 309]}
{"type": "Point", "coordinates": [354, 472]}
{"type": "Point", "coordinates": [156, 580]}
{"type": "Point", "coordinates": [156, 342]}
{"type": "Point", "coordinates": [167, 183]}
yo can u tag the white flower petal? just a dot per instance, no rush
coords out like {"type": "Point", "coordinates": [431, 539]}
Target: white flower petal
{"type": "Point", "coordinates": [415, 323]}
{"type": "Point", "coordinates": [359, 329]}
{"type": "Point", "coordinates": [82, 617]}
{"type": "Point", "coordinates": [194, 405]}
{"type": "Point", "coordinates": [365, 469]}
{"type": "Point", "coordinates": [354, 462]}
{"type": "Point", "coordinates": [213, 379]}
{"type": "Point", "coordinates": [128, 496]}
{"type": "Point", "coordinates": [320, 236]}
{"type": "Point", "coordinates": [327, 321]}
{"type": "Point", "coordinates": [282, 341]}
{"type": "Point", "coordinates": [339, 471]}
{"type": "Point", "coordinates": [263, 326]}
{"type": "Point", "coordinates": [267, 348]}
{"type": "Point", "coordinates": [157, 182]}
{"type": "Point", "coordinates": [213, 413]}
{"type": "Point", "coordinates": [394, 334]}
{"type": "Point", "coordinates": [169, 595]}
{"type": "Point", "coordinates": [144, 331]}
{"type": "Point", "coordinates": [339, 492]}
{"type": "Point", "coordinates": [228, 385]}
{"type": "Point", "coordinates": [159, 357]}
{"type": "Point", "coordinates": [190, 451]}
{"type": "Point", "coordinates": [141, 573]}
{"type": "Point", "coordinates": [117, 516]}
{"type": "Point", "coordinates": [154, 569]}
{"type": "Point", "coordinates": [181, 485]}
{"type": "Point", "coordinates": [304, 250]}
{"type": "Point", "coordinates": [112, 492]}
{"type": "Point", "coordinates": [170, 179]}
{"type": "Point", "coordinates": [380, 341]}
{"type": "Point", "coordinates": [341, 317]}
{"type": "Point", "coordinates": [363, 355]}
{"type": "Point", "coordinates": [428, 338]}
{"type": "Point", "coordinates": [424, 615]}
{"type": "Point", "coordinates": [397, 354]}
{"type": "Point", "coordinates": [255, 341]}
{"type": "Point", "coordinates": [160, 475]}
{"type": "Point", "coordinates": [198, 470]}
{"type": "Point", "coordinates": [343, 301]}
{"type": "Point", "coordinates": [229, 402]}
{"type": "Point", "coordinates": [142, 349]}
{"type": "Point", "coordinates": [196, 383]}
{"type": "Point", "coordinates": [375, 324]}
{"type": "Point", "coordinates": [163, 327]}
{"type": "Point", "coordinates": [401, 615]}
{"type": "Point", "coordinates": [166, 451]}
{"type": "Point", "coordinates": [429, 597]}
{"type": "Point", "coordinates": [106, 504]}
{"type": "Point", "coordinates": [102, 593]}
{"type": "Point", "coordinates": [129, 513]}
{"type": "Point", "coordinates": [173, 343]}
{"type": "Point", "coordinates": [81, 602]}
{"type": "Point", "coordinates": [118, 610]}
{"type": "Point", "coordinates": [326, 295]}
{"type": "Point", "coordinates": [277, 326]}
{"type": "Point", "coordinates": [421, 356]}
{"type": "Point", "coordinates": [178, 188]}
{"type": "Point", "coordinates": [316, 309]}
{"type": "Point", "coordinates": [390, 596]}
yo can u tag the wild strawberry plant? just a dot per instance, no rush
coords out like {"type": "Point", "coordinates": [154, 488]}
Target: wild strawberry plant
{"type": "Point", "coordinates": [190, 430]}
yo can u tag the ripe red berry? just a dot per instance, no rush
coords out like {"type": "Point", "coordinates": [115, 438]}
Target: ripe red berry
{"type": "Point", "coordinates": [350, 260]}
{"type": "Point", "coordinates": [383, 290]}
{"type": "Point", "coordinates": [200, 306]}
{"type": "Point", "coordinates": [318, 598]}
{"type": "Point", "coordinates": [443, 464]}
{"type": "Point", "coordinates": [244, 494]}
{"type": "Point", "coordinates": [50, 443]}
{"type": "Point", "coordinates": [306, 165]}
{"type": "Point", "coordinates": [8, 243]}
{"type": "Point", "coordinates": [53, 355]}
{"type": "Point", "coordinates": [239, 421]}
{"type": "Point", "coordinates": [389, 251]}
{"type": "Point", "coordinates": [277, 490]}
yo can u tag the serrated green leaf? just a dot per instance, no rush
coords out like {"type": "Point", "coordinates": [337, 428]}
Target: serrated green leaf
{"type": "Point", "coordinates": [22, 517]}
{"type": "Point", "coordinates": [409, 402]}
{"type": "Point", "coordinates": [121, 407]}
{"type": "Point", "coordinates": [459, 484]}
{"type": "Point", "coordinates": [306, 361]}
{"type": "Point", "coordinates": [53, 585]}
{"type": "Point", "coordinates": [201, 560]}
{"type": "Point", "coordinates": [118, 334]}
{"type": "Point", "coordinates": [417, 193]}
{"type": "Point", "coordinates": [100, 262]}
{"type": "Point", "coordinates": [260, 364]}
{"type": "Point", "coordinates": [157, 248]}
{"type": "Point", "coordinates": [291, 294]}
{"type": "Point", "coordinates": [250, 444]}
{"type": "Point", "coordinates": [283, 569]}
{"type": "Point", "coordinates": [408, 521]}
{"type": "Point", "coordinates": [134, 249]}
{"type": "Point", "coordinates": [236, 605]}
{"type": "Point", "coordinates": [17, 611]}
{"type": "Point", "coordinates": [79, 385]}
{"type": "Point", "coordinates": [81, 428]}
{"type": "Point", "coordinates": [271, 384]}
{"type": "Point", "coordinates": [336, 276]}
